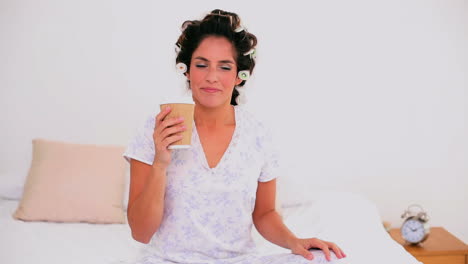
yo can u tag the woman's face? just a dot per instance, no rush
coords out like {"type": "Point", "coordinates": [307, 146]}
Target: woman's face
{"type": "Point", "coordinates": [213, 72]}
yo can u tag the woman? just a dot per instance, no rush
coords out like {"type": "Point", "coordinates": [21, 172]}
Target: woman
{"type": "Point", "coordinates": [199, 205]}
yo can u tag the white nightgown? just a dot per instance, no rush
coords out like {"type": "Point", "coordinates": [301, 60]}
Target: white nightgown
{"type": "Point", "coordinates": [208, 211]}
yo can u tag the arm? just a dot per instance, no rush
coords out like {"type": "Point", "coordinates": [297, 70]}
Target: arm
{"type": "Point", "coordinates": [148, 182]}
{"type": "Point", "coordinates": [266, 219]}
{"type": "Point", "coordinates": [146, 200]}
{"type": "Point", "coordinates": [270, 225]}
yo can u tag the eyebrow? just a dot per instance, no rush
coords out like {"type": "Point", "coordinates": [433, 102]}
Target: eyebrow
{"type": "Point", "coordinates": [222, 61]}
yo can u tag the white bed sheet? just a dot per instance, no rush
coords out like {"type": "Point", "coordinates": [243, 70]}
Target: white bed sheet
{"type": "Point", "coordinates": [65, 243]}
{"type": "Point", "coordinates": [349, 220]}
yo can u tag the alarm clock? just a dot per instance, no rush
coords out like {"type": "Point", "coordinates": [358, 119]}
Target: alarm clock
{"type": "Point", "coordinates": [415, 227]}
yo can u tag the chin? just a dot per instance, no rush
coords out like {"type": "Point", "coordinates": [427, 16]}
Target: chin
{"type": "Point", "coordinates": [212, 102]}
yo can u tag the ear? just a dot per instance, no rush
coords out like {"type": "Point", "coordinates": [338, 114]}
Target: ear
{"type": "Point", "coordinates": [238, 81]}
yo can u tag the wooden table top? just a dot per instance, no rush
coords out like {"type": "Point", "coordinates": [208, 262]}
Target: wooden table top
{"type": "Point", "coordinates": [439, 242]}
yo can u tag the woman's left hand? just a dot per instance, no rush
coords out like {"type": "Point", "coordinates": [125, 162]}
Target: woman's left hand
{"type": "Point", "coordinates": [300, 247]}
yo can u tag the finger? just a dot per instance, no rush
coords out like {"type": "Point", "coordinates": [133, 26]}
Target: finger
{"type": "Point", "coordinates": [326, 251]}
{"type": "Point", "coordinates": [160, 117]}
{"type": "Point", "coordinates": [169, 140]}
{"type": "Point", "coordinates": [306, 254]}
{"type": "Point", "coordinates": [336, 249]}
{"type": "Point", "coordinates": [168, 123]}
{"type": "Point", "coordinates": [342, 252]}
{"type": "Point", "coordinates": [172, 130]}
{"type": "Point", "coordinates": [172, 121]}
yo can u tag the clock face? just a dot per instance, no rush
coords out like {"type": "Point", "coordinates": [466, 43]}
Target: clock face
{"type": "Point", "coordinates": [413, 231]}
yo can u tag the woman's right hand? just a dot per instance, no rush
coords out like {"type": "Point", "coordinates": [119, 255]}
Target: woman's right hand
{"type": "Point", "coordinates": [166, 132]}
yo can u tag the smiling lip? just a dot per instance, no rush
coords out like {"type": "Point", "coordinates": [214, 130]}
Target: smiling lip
{"type": "Point", "coordinates": [210, 90]}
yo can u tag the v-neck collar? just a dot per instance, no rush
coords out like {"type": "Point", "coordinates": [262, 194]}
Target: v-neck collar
{"type": "Point", "coordinates": [227, 152]}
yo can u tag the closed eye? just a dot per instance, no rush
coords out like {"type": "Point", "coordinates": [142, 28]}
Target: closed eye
{"type": "Point", "coordinates": [226, 68]}
{"type": "Point", "coordinates": [201, 66]}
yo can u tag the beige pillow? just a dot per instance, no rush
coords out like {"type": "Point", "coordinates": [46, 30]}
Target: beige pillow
{"type": "Point", "coordinates": [74, 183]}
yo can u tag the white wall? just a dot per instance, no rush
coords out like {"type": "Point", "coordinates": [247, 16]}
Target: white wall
{"type": "Point", "coordinates": [366, 96]}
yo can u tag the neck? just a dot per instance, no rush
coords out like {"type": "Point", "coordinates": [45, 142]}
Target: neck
{"type": "Point", "coordinates": [214, 117]}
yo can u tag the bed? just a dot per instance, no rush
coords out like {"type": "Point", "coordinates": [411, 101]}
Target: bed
{"type": "Point", "coordinates": [71, 209]}
{"type": "Point", "coordinates": [356, 227]}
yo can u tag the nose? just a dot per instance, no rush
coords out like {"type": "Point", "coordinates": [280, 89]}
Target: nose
{"type": "Point", "coordinates": [211, 75]}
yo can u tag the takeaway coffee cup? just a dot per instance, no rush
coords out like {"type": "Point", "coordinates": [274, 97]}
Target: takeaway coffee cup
{"type": "Point", "coordinates": [181, 108]}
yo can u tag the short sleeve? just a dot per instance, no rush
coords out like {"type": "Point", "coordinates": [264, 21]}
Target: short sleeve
{"type": "Point", "coordinates": [141, 146]}
{"type": "Point", "coordinates": [271, 166]}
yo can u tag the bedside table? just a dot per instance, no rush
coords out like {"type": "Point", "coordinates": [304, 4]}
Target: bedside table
{"type": "Point", "coordinates": [440, 247]}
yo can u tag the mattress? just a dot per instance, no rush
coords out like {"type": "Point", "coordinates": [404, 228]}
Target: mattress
{"type": "Point", "coordinates": [349, 220]}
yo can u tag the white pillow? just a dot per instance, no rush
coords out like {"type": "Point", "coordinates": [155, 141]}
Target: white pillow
{"type": "Point", "coordinates": [292, 191]}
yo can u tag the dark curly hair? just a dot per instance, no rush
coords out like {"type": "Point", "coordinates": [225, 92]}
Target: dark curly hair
{"type": "Point", "coordinates": [217, 23]}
